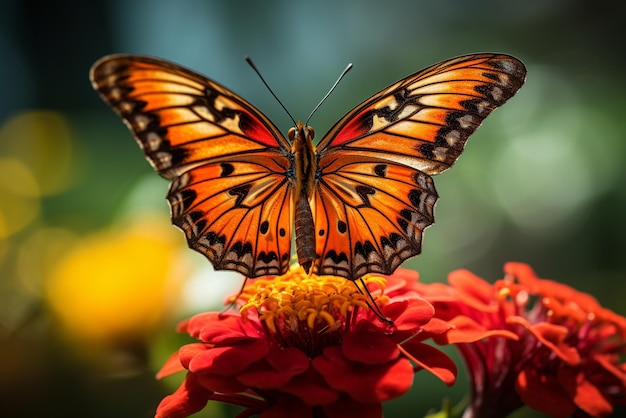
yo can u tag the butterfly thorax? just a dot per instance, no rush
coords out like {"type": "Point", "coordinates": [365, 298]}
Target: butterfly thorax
{"type": "Point", "coordinates": [305, 166]}
{"type": "Point", "coordinates": [305, 163]}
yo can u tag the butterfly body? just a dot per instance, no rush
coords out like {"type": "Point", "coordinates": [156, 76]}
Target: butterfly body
{"type": "Point", "coordinates": [305, 169]}
{"type": "Point", "coordinates": [357, 202]}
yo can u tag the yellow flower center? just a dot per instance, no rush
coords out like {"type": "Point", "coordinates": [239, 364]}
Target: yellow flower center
{"type": "Point", "coordinates": [307, 304]}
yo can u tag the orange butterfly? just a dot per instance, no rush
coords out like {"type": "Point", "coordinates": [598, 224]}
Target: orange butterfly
{"type": "Point", "coordinates": [359, 200]}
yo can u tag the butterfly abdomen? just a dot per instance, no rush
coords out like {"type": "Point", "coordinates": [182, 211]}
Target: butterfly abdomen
{"type": "Point", "coordinates": [305, 233]}
{"type": "Point", "coordinates": [305, 168]}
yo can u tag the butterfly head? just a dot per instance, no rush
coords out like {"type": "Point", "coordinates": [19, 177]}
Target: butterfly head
{"type": "Point", "coordinates": [301, 132]}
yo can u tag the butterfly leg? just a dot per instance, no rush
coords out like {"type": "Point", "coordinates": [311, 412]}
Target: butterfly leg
{"type": "Point", "coordinates": [232, 303]}
{"type": "Point", "coordinates": [363, 289]}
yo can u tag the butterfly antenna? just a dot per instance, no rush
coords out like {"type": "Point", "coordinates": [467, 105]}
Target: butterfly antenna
{"type": "Point", "coordinates": [256, 70]}
{"type": "Point", "coordinates": [343, 73]}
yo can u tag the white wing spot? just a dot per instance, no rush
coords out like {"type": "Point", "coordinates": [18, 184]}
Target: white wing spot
{"type": "Point", "coordinates": [389, 102]}
{"type": "Point", "coordinates": [141, 122]}
{"type": "Point", "coordinates": [126, 107]}
{"type": "Point", "coordinates": [497, 93]}
{"type": "Point", "coordinates": [504, 79]}
{"type": "Point", "coordinates": [115, 93]}
{"type": "Point", "coordinates": [232, 125]}
{"type": "Point", "coordinates": [452, 137]}
{"type": "Point", "coordinates": [204, 113]}
{"type": "Point", "coordinates": [482, 107]}
{"type": "Point", "coordinates": [162, 160]}
{"type": "Point", "coordinates": [152, 141]}
{"type": "Point", "coordinates": [508, 66]}
{"type": "Point", "coordinates": [378, 123]}
{"type": "Point", "coordinates": [466, 121]}
{"type": "Point", "coordinates": [439, 153]}
{"type": "Point", "coordinates": [408, 111]}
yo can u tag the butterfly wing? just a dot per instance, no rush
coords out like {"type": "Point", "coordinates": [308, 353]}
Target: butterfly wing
{"type": "Point", "coordinates": [374, 194]}
{"type": "Point", "coordinates": [230, 193]}
{"type": "Point", "coordinates": [369, 215]}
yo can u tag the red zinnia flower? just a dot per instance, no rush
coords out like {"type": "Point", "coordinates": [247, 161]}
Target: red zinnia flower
{"type": "Point", "coordinates": [308, 346]}
{"type": "Point", "coordinates": [564, 360]}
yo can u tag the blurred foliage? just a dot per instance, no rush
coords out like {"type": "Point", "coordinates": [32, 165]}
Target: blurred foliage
{"type": "Point", "coordinates": [92, 283]}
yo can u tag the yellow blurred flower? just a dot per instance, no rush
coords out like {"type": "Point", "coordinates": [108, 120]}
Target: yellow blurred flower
{"type": "Point", "coordinates": [117, 286]}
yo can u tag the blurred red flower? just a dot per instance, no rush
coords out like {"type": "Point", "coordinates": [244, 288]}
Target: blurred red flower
{"type": "Point", "coordinates": [563, 358]}
{"type": "Point", "coordinates": [309, 346]}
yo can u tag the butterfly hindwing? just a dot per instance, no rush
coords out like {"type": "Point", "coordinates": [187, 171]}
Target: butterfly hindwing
{"type": "Point", "coordinates": [237, 214]}
{"type": "Point", "coordinates": [375, 162]}
{"type": "Point", "coordinates": [369, 216]}
{"type": "Point", "coordinates": [230, 193]}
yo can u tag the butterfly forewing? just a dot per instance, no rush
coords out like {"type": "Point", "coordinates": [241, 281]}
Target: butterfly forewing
{"type": "Point", "coordinates": [375, 196]}
{"type": "Point", "coordinates": [180, 118]}
{"type": "Point", "coordinates": [425, 119]}
{"type": "Point", "coordinates": [230, 192]}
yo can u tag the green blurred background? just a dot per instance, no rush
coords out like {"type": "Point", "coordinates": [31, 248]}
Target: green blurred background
{"type": "Point", "coordinates": [94, 278]}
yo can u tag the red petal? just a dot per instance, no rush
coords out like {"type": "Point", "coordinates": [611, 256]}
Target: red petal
{"type": "Point", "coordinates": [369, 347]}
{"type": "Point", "coordinates": [438, 292]}
{"type": "Point", "coordinates": [204, 322]}
{"type": "Point", "coordinates": [182, 326]}
{"type": "Point", "coordinates": [190, 397]}
{"type": "Point", "coordinates": [466, 330]}
{"type": "Point", "coordinates": [312, 389]}
{"type": "Point", "coordinates": [552, 336]}
{"type": "Point", "coordinates": [188, 352]}
{"type": "Point", "coordinates": [172, 365]}
{"type": "Point", "coordinates": [280, 367]}
{"type": "Point", "coordinates": [609, 364]}
{"type": "Point", "coordinates": [413, 315]}
{"type": "Point", "coordinates": [367, 384]}
{"type": "Point", "coordinates": [288, 359]}
{"type": "Point", "coordinates": [584, 394]}
{"type": "Point", "coordinates": [437, 326]}
{"type": "Point", "coordinates": [472, 290]}
{"type": "Point", "coordinates": [544, 393]}
{"type": "Point", "coordinates": [431, 359]}
{"type": "Point", "coordinates": [220, 383]}
{"type": "Point", "coordinates": [229, 360]}
{"type": "Point", "coordinates": [214, 327]}
{"type": "Point", "coordinates": [523, 273]}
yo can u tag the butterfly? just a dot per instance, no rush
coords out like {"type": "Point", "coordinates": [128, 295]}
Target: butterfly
{"type": "Point", "coordinates": [358, 201]}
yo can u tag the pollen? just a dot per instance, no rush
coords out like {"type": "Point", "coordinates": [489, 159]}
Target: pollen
{"type": "Point", "coordinates": [304, 306]}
